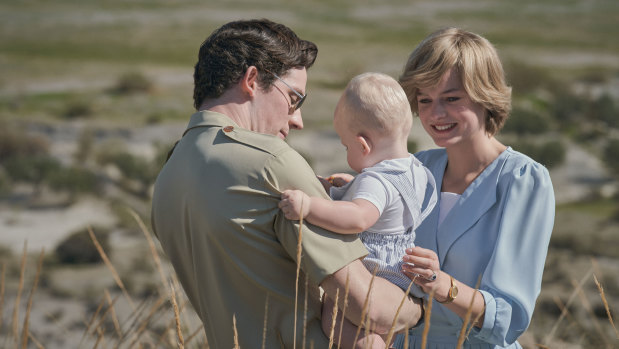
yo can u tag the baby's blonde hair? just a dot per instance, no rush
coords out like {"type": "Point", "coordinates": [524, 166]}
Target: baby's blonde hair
{"type": "Point", "coordinates": [376, 103]}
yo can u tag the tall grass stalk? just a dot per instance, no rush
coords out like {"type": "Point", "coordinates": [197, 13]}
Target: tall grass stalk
{"type": "Point", "coordinates": [407, 337]}
{"type": "Point", "coordinates": [426, 320]}
{"type": "Point", "coordinates": [369, 341]}
{"type": "Point", "coordinates": [153, 310]}
{"type": "Point", "coordinates": [25, 328]}
{"type": "Point", "coordinates": [20, 287]}
{"type": "Point", "coordinates": [2, 276]}
{"type": "Point", "coordinates": [334, 318]}
{"type": "Point", "coordinates": [110, 266]}
{"type": "Point", "coordinates": [397, 313]}
{"type": "Point", "coordinates": [104, 315]}
{"type": "Point", "coordinates": [134, 319]}
{"type": "Point", "coordinates": [587, 305]}
{"type": "Point", "coordinates": [344, 306]}
{"type": "Point", "coordinates": [366, 304]}
{"type": "Point", "coordinates": [467, 317]}
{"type": "Point", "coordinates": [264, 325]}
{"type": "Point", "coordinates": [92, 320]}
{"type": "Point", "coordinates": [109, 301]}
{"type": "Point", "coordinates": [296, 286]}
{"type": "Point", "coordinates": [177, 288]}
{"type": "Point", "coordinates": [569, 316]}
{"type": "Point", "coordinates": [606, 307]}
{"type": "Point", "coordinates": [194, 334]}
{"type": "Point", "coordinates": [179, 333]}
{"type": "Point", "coordinates": [305, 312]}
{"type": "Point", "coordinates": [236, 334]}
{"type": "Point", "coordinates": [151, 245]}
{"type": "Point", "coordinates": [551, 334]}
{"type": "Point", "coordinates": [99, 338]}
{"type": "Point", "coordinates": [35, 341]}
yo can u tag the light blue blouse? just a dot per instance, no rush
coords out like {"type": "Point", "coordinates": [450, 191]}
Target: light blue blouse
{"type": "Point", "coordinates": [498, 231]}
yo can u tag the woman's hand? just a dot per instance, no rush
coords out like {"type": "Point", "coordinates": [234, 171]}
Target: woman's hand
{"type": "Point", "coordinates": [295, 204]}
{"type": "Point", "coordinates": [422, 266]}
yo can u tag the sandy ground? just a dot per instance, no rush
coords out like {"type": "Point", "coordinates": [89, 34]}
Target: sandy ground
{"type": "Point", "coordinates": [44, 228]}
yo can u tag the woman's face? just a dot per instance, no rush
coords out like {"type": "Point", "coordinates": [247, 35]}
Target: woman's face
{"type": "Point", "coordinates": [448, 114]}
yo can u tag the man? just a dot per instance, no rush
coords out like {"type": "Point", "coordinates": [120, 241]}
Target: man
{"type": "Point", "coordinates": [215, 202]}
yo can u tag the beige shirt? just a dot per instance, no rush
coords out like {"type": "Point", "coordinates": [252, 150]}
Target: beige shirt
{"type": "Point", "coordinates": [215, 213]}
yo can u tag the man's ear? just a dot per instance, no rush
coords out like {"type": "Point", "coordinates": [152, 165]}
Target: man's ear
{"type": "Point", "coordinates": [366, 144]}
{"type": "Point", "coordinates": [249, 82]}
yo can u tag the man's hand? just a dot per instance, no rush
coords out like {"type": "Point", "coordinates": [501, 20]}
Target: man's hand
{"type": "Point", "coordinates": [295, 204]}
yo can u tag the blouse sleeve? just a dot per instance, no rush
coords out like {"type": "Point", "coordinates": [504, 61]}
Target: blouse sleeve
{"type": "Point", "coordinates": [512, 280]}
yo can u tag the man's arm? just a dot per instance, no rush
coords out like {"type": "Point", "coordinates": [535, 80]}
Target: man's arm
{"type": "Point", "coordinates": [385, 298]}
{"type": "Point", "coordinates": [343, 217]}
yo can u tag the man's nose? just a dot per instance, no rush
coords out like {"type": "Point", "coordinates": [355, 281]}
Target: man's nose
{"type": "Point", "coordinates": [296, 121]}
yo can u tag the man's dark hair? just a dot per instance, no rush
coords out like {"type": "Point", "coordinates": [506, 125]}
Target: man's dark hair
{"type": "Point", "coordinates": [227, 53]}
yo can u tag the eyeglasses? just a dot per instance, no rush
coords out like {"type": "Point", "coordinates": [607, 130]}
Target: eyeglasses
{"type": "Point", "coordinates": [297, 104]}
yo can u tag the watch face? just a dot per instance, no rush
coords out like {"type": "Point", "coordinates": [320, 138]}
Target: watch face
{"type": "Point", "coordinates": [454, 291]}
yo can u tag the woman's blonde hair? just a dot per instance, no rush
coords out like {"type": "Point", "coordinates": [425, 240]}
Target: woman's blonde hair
{"type": "Point", "coordinates": [476, 61]}
{"type": "Point", "coordinates": [377, 103]}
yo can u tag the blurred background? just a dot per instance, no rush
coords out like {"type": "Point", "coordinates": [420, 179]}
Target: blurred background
{"type": "Point", "coordinates": [94, 93]}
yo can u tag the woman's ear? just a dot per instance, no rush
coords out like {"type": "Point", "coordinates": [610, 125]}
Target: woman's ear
{"type": "Point", "coordinates": [366, 144]}
{"type": "Point", "coordinates": [249, 82]}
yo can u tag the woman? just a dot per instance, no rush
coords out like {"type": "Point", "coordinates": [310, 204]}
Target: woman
{"type": "Point", "coordinates": [496, 206]}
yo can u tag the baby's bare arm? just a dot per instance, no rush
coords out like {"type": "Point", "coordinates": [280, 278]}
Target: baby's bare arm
{"type": "Point", "coordinates": [343, 217]}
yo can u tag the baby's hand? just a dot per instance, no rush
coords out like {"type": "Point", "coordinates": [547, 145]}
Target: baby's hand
{"type": "Point", "coordinates": [295, 204]}
{"type": "Point", "coordinates": [325, 183]}
{"type": "Point", "coordinates": [340, 179]}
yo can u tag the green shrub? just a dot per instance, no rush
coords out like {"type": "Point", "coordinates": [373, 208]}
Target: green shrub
{"type": "Point", "coordinates": [525, 78]}
{"type": "Point", "coordinates": [604, 110]}
{"type": "Point", "coordinates": [133, 83]}
{"type": "Point", "coordinates": [5, 182]}
{"type": "Point", "coordinates": [31, 169]}
{"type": "Point", "coordinates": [411, 145]}
{"type": "Point", "coordinates": [77, 109]}
{"type": "Point", "coordinates": [523, 122]}
{"type": "Point", "coordinates": [79, 248]}
{"type": "Point", "coordinates": [74, 180]}
{"type": "Point", "coordinates": [567, 108]}
{"type": "Point", "coordinates": [611, 159]}
{"type": "Point", "coordinates": [549, 154]}
{"type": "Point", "coordinates": [14, 142]}
{"type": "Point", "coordinates": [85, 145]}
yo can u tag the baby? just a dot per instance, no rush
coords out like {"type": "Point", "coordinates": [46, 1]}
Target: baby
{"type": "Point", "coordinates": [384, 201]}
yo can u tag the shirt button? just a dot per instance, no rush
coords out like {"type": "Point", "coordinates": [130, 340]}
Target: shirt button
{"type": "Point", "coordinates": [228, 128]}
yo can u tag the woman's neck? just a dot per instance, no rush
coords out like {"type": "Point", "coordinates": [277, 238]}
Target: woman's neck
{"type": "Point", "coordinates": [466, 161]}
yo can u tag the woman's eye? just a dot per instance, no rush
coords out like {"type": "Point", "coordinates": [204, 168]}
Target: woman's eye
{"type": "Point", "coordinates": [452, 99]}
{"type": "Point", "coordinates": [424, 101]}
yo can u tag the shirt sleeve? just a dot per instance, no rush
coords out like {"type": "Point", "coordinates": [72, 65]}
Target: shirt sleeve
{"type": "Point", "coordinates": [372, 189]}
{"type": "Point", "coordinates": [323, 252]}
{"type": "Point", "coordinates": [512, 280]}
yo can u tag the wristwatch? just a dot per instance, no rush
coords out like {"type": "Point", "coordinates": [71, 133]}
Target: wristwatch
{"type": "Point", "coordinates": [453, 292]}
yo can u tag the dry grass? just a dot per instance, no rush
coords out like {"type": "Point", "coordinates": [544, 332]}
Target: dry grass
{"type": "Point", "coordinates": [136, 330]}
{"type": "Point", "coordinates": [109, 264]}
{"type": "Point", "coordinates": [25, 327]}
{"type": "Point", "coordinates": [606, 307]}
{"type": "Point", "coordinates": [2, 278]}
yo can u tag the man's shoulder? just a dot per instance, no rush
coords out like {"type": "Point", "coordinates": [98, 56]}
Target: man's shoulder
{"type": "Point", "coordinates": [266, 143]}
